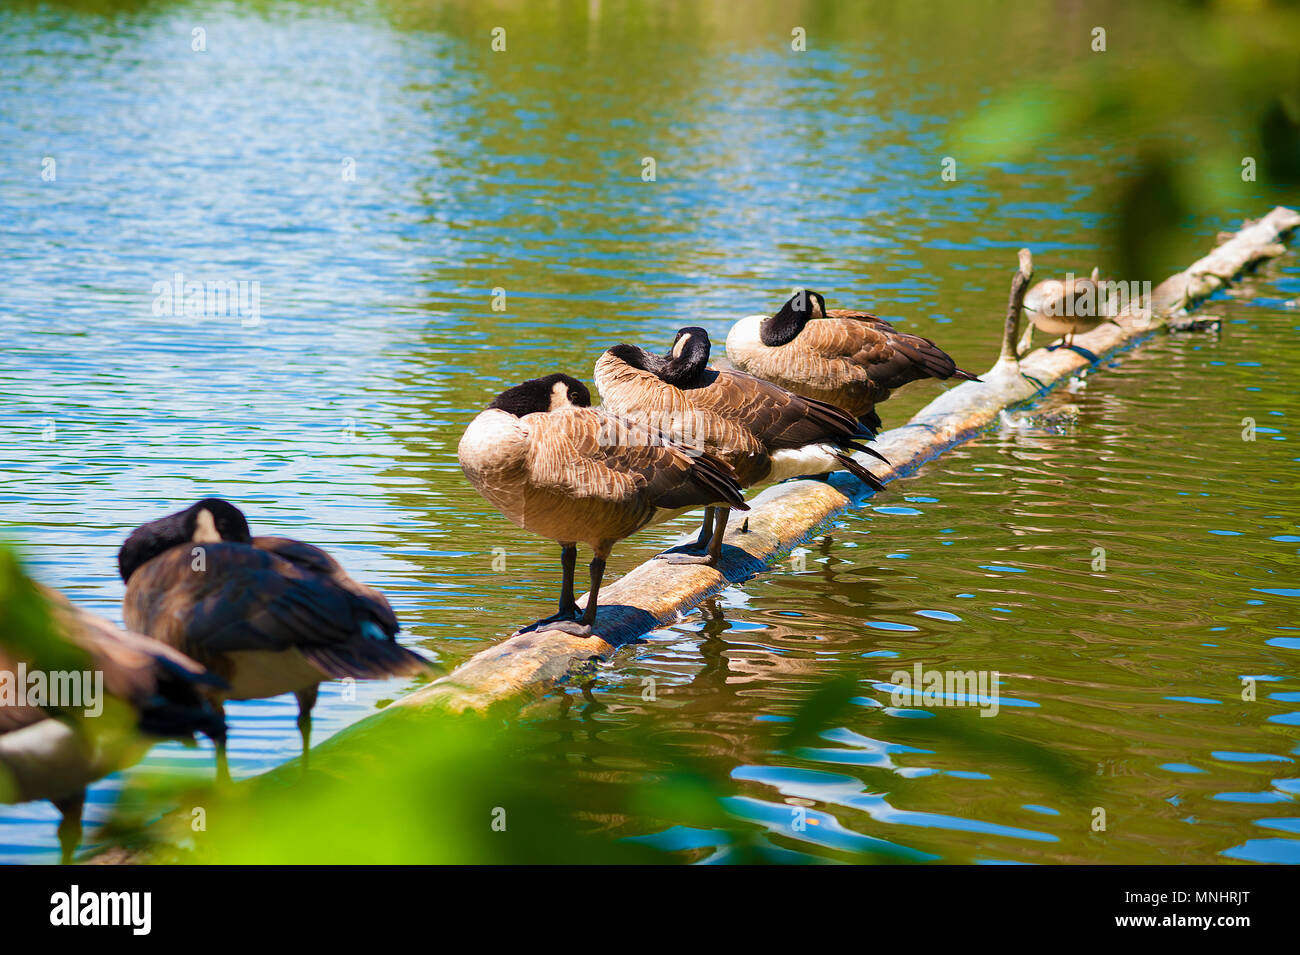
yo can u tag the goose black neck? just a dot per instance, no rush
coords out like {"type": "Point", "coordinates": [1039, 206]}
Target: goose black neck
{"type": "Point", "coordinates": [678, 370]}
{"type": "Point", "coordinates": [785, 326]}
{"type": "Point", "coordinates": [540, 395]}
{"type": "Point", "coordinates": [149, 540]}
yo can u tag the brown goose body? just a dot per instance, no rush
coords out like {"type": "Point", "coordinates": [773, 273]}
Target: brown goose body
{"type": "Point", "coordinates": [571, 473]}
{"type": "Point", "coordinates": [764, 431]}
{"type": "Point", "coordinates": [55, 755]}
{"type": "Point", "coordinates": [847, 358]}
{"type": "Point", "coordinates": [582, 475]}
{"type": "Point", "coordinates": [269, 615]}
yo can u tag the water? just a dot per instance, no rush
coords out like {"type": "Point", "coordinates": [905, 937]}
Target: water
{"type": "Point", "coordinates": [335, 418]}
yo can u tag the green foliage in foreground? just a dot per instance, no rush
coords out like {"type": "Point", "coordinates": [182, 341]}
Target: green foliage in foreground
{"type": "Point", "coordinates": [29, 631]}
{"type": "Point", "coordinates": [419, 787]}
{"type": "Point", "coordinates": [416, 787]}
{"type": "Point", "coordinates": [1221, 72]}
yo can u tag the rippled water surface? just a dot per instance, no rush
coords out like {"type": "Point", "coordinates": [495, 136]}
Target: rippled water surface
{"type": "Point", "coordinates": [335, 417]}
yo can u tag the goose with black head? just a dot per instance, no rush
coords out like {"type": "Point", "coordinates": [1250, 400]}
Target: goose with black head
{"type": "Point", "coordinates": [566, 471]}
{"type": "Point", "coordinates": [849, 358]}
{"type": "Point", "coordinates": [766, 433]}
{"type": "Point", "coordinates": [270, 615]}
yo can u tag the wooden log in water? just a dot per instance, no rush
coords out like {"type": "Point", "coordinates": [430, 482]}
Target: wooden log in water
{"type": "Point", "coordinates": [784, 516]}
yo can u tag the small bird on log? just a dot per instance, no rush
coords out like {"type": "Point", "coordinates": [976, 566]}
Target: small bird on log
{"type": "Point", "coordinates": [269, 615]}
{"type": "Point", "coordinates": [1067, 307]}
{"type": "Point", "coordinates": [557, 467]}
{"type": "Point", "coordinates": [52, 748]}
{"type": "Point", "coordinates": [847, 358]}
{"type": "Point", "coordinates": [763, 431]}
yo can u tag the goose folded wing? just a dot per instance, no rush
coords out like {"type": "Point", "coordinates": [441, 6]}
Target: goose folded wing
{"type": "Point", "coordinates": [779, 418]}
{"type": "Point", "coordinates": [889, 357]}
{"type": "Point", "coordinates": [314, 559]}
{"type": "Point", "coordinates": [246, 598]}
{"type": "Point", "coordinates": [251, 598]}
{"type": "Point", "coordinates": [594, 454]}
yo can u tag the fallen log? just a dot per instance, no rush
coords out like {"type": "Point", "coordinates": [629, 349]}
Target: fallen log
{"type": "Point", "coordinates": [784, 516]}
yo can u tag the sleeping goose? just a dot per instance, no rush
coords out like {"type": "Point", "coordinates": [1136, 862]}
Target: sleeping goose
{"type": "Point", "coordinates": [54, 753]}
{"type": "Point", "coordinates": [1066, 308]}
{"type": "Point", "coordinates": [851, 359]}
{"type": "Point", "coordinates": [269, 615]}
{"type": "Point", "coordinates": [764, 432]}
{"type": "Point", "coordinates": [563, 470]}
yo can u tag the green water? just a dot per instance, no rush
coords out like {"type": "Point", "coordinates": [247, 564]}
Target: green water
{"type": "Point", "coordinates": [336, 417]}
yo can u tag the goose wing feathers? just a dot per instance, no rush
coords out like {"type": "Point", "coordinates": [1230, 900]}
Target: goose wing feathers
{"type": "Point", "coordinates": [887, 357]}
{"type": "Point", "coordinates": [160, 682]}
{"type": "Point", "coordinates": [590, 453]}
{"type": "Point", "coordinates": [274, 595]}
{"type": "Point", "coordinates": [777, 418]}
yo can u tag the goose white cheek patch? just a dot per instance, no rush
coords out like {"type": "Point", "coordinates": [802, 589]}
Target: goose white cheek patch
{"type": "Point", "coordinates": [205, 528]}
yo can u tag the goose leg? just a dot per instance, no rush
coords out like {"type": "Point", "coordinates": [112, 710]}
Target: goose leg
{"type": "Point", "coordinates": [719, 532]}
{"type": "Point", "coordinates": [715, 543]}
{"type": "Point", "coordinates": [701, 542]}
{"type": "Point", "coordinates": [306, 700]}
{"type": "Point", "coordinates": [706, 528]}
{"type": "Point", "coordinates": [70, 825]}
{"type": "Point", "coordinates": [568, 605]}
{"type": "Point", "coordinates": [582, 626]}
{"type": "Point", "coordinates": [597, 571]}
{"type": "Point", "coordinates": [223, 765]}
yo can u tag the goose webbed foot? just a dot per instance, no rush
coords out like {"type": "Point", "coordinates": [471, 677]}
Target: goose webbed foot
{"type": "Point", "coordinates": [571, 620]}
{"type": "Point", "coordinates": [701, 543]}
{"type": "Point", "coordinates": [565, 621]}
{"type": "Point", "coordinates": [564, 615]}
{"type": "Point", "coordinates": [575, 627]}
{"type": "Point", "coordinates": [716, 525]}
{"type": "Point", "coordinates": [568, 611]}
{"type": "Point", "coordinates": [694, 547]}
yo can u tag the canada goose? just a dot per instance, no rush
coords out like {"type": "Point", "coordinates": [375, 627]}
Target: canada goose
{"type": "Point", "coordinates": [764, 432]}
{"type": "Point", "coordinates": [564, 470]}
{"type": "Point", "coordinates": [269, 615]}
{"type": "Point", "coordinates": [1066, 308]}
{"type": "Point", "coordinates": [852, 360]}
{"type": "Point", "coordinates": [54, 750]}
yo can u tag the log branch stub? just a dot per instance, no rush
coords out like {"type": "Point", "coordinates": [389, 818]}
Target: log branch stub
{"type": "Point", "coordinates": [1015, 306]}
